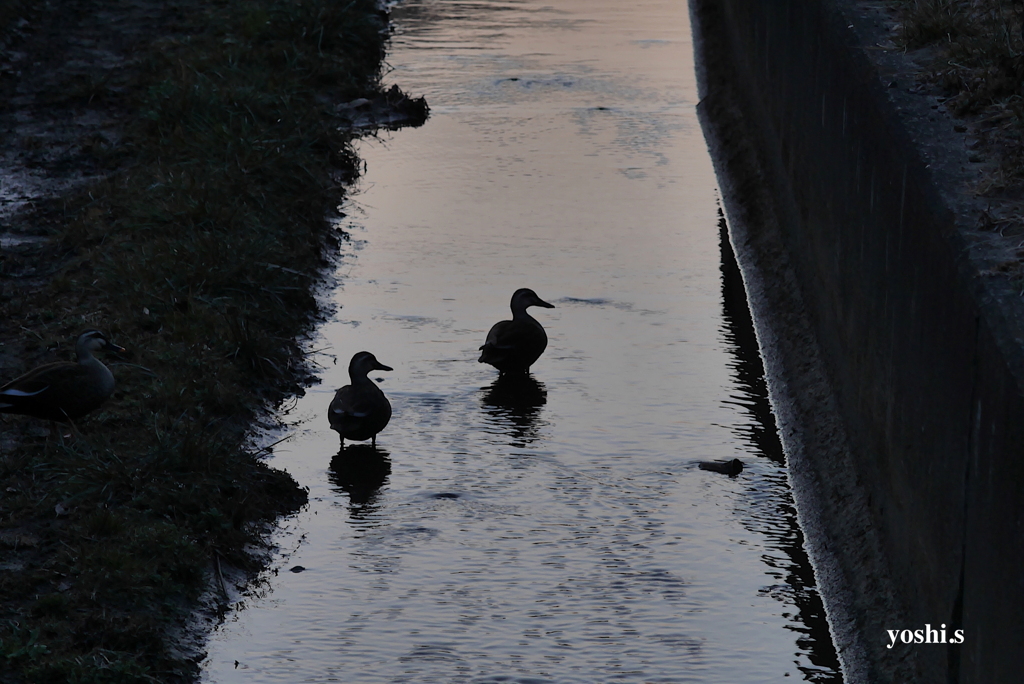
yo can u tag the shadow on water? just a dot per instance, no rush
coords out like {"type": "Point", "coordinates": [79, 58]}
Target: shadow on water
{"type": "Point", "coordinates": [360, 470]}
{"type": "Point", "coordinates": [772, 510]}
{"type": "Point", "coordinates": [515, 401]}
{"type": "Point", "coordinates": [739, 335]}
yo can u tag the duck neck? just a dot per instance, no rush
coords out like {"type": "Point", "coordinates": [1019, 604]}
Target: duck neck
{"type": "Point", "coordinates": [99, 374]}
{"type": "Point", "coordinates": [358, 378]}
{"type": "Point", "coordinates": [519, 314]}
{"type": "Point", "coordinates": [85, 357]}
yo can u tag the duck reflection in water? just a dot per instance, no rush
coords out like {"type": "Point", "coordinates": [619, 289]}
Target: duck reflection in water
{"type": "Point", "coordinates": [360, 470]}
{"type": "Point", "coordinates": [515, 400]}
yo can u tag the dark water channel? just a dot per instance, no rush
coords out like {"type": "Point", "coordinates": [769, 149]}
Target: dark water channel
{"type": "Point", "coordinates": [558, 530]}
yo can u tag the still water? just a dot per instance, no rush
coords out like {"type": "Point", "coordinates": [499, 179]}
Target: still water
{"type": "Point", "coordinates": [559, 530]}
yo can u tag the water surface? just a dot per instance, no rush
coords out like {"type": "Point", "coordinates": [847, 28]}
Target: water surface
{"type": "Point", "coordinates": [556, 529]}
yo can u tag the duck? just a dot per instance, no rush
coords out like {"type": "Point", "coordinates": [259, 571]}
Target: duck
{"type": "Point", "coordinates": [359, 411]}
{"type": "Point", "coordinates": [66, 390]}
{"type": "Point", "coordinates": [513, 346]}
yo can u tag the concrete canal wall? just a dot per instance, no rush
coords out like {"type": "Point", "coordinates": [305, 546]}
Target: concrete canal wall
{"type": "Point", "coordinates": [922, 353]}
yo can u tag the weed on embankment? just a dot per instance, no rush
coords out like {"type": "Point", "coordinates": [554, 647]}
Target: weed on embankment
{"type": "Point", "coordinates": [977, 60]}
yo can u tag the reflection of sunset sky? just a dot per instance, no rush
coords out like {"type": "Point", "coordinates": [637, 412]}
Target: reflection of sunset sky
{"type": "Point", "coordinates": [594, 140]}
{"type": "Point", "coordinates": [567, 534]}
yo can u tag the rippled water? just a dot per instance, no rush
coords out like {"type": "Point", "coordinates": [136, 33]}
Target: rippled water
{"type": "Point", "coordinates": [558, 529]}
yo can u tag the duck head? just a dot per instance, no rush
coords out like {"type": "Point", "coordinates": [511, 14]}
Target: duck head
{"type": "Point", "coordinates": [364, 362]}
{"type": "Point", "coordinates": [92, 341]}
{"type": "Point", "coordinates": [524, 297]}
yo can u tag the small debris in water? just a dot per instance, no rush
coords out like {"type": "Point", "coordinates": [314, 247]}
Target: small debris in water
{"type": "Point", "coordinates": [730, 468]}
{"type": "Point", "coordinates": [297, 568]}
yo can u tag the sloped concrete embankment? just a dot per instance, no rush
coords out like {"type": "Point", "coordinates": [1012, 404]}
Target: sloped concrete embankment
{"type": "Point", "coordinates": [918, 517]}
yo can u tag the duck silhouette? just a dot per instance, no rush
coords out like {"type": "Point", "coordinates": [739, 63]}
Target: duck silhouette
{"type": "Point", "coordinates": [360, 410]}
{"type": "Point", "coordinates": [66, 390]}
{"type": "Point", "coordinates": [513, 346]}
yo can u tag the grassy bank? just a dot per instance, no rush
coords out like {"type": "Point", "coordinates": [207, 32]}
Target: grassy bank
{"type": "Point", "coordinates": [974, 52]}
{"type": "Point", "coordinates": [199, 253]}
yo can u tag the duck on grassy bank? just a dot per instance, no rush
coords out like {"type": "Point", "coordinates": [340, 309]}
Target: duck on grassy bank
{"type": "Point", "coordinates": [64, 390]}
{"type": "Point", "coordinates": [513, 346]}
{"type": "Point", "coordinates": [360, 410]}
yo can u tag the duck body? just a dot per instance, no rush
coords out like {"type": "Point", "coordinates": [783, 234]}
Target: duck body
{"type": "Point", "coordinates": [63, 391]}
{"type": "Point", "coordinates": [360, 410]}
{"type": "Point", "coordinates": [513, 346]}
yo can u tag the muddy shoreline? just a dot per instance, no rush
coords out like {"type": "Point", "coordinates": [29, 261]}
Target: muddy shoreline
{"type": "Point", "coordinates": [140, 195]}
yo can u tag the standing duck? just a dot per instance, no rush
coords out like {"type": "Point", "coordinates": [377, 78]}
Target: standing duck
{"type": "Point", "coordinates": [513, 346]}
{"type": "Point", "coordinates": [64, 390]}
{"type": "Point", "coordinates": [360, 410]}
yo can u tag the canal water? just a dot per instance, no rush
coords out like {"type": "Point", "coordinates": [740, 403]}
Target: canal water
{"type": "Point", "coordinates": [558, 529]}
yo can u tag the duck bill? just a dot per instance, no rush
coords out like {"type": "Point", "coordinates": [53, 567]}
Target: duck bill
{"type": "Point", "coordinates": [111, 347]}
{"type": "Point", "coordinates": [541, 302]}
{"type": "Point", "coordinates": [381, 366]}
